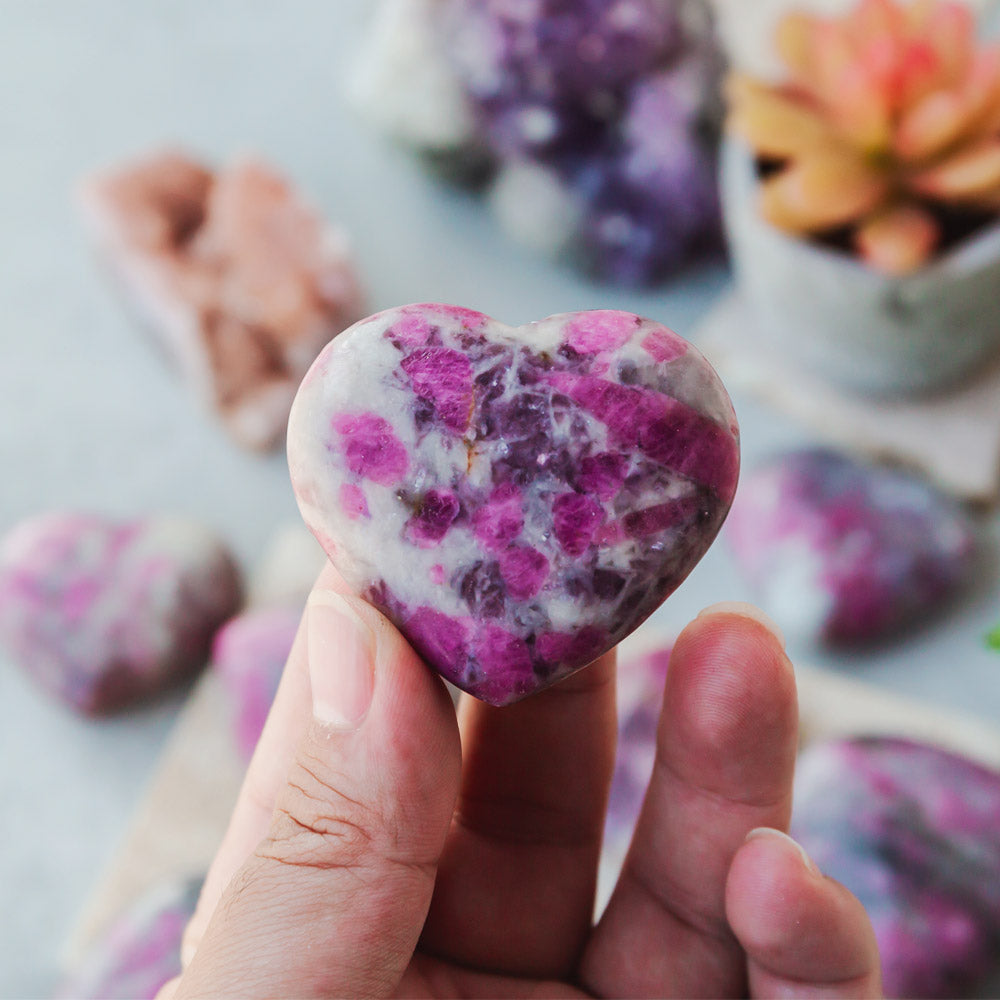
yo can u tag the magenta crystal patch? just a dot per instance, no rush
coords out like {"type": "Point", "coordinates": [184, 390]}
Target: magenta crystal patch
{"type": "Point", "coordinates": [516, 500]}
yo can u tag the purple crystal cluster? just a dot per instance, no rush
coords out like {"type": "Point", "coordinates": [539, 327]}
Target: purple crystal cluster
{"type": "Point", "coordinates": [516, 500]}
{"type": "Point", "coordinates": [103, 613]}
{"type": "Point", "coordinates": [914, 832]}
{"type": "Point", "coordinates": [140, 951]}
{"type": "Point", "coordinates": [593, 120]}
{"type": "Point", "coordinates": [844, 551]}
{"type": "Point", "coordinates": [249, 653]}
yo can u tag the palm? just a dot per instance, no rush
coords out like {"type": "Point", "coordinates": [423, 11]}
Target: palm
{"type": "Point", "coordinates": [351, 892]}
{"type": "Point", "coordinates": [514, 893]}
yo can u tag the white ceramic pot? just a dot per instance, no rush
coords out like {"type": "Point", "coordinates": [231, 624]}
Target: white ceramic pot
{"type": "Point", "coordinates": [830, 313]}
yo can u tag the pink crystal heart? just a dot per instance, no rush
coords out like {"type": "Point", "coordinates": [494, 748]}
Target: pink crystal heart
{"type": "Point", "coordinates": [515, 500]}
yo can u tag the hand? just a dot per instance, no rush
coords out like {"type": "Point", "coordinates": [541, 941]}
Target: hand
{"type": "Point", "coordinates": [382, 847]}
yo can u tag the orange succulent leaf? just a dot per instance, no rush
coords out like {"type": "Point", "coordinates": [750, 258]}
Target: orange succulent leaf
{"type": "Point", "coordinates": [967, 174]}
{"type": "Point", "coordinates": [901, 63]}
{"type": "Point", "coordinates": [795, 41]}
{"type": "Point", "coordinates": [943, 119]}
{"type": "Point", "coordinates": [822, 190]}
{"type": "Point", "coordinates": [982, 86]}
{"type": "Point", "coordinates": [894, 98]}
{"type": "Point", "coordinates": [932, 125]}
{"type": "Point", "coordinates": [918, 13]}
{"type": "Point", "coordinates": [877, 19]}
{"type": "Point", "coordinates": [987, 70]}
{"type": "Point", "coordinates": [920, 71]}
{"type": "Point", "coordinates": [775, 124]}
{"type": "Point", "coordinates": [897, 241]}
{"type": "Point", "coordinates": [833, 57]}
{"type": "Point", "coordinates": [951, 29]}
{"type": "Point", "coordinates": [862, 110]}
{"type": "Point", "coordinates": [738, 87]}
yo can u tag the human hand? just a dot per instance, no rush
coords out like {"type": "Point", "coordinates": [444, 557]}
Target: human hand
{"type": "Point", "coordinates": [383, 847]}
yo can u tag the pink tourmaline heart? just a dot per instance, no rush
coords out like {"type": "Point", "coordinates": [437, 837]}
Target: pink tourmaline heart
{"type": "Point", "coordinates": [516, 500]}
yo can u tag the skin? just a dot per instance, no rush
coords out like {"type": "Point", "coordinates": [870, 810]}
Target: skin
{"type": "Point", "coordinates": [429, 853]}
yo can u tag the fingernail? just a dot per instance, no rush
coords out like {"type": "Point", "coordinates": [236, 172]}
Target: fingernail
{"type": "Point", "coordinates": [746, 611]}
{"type": "Point", "coordinates": [341, 650]}
{"type": "Point", "coordinates": [762, 832]}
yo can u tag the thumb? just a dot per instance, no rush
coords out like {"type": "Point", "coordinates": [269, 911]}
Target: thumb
{"type": "Point", "coordinates": [333, 900]}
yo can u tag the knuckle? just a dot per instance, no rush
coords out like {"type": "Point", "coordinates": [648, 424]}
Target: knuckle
{"type": "Point", "coordinates": [319, 824]}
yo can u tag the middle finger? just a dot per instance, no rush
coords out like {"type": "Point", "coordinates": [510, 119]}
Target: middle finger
{"type": "Point", "coordinates": [516, 883]}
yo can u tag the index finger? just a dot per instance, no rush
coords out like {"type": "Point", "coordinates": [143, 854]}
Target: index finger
{"type": "Point", "coordinates": [290, 716]}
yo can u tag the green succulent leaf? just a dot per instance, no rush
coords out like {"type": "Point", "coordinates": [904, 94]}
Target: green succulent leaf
{"type": "Point", "coordinates": [993, 639]}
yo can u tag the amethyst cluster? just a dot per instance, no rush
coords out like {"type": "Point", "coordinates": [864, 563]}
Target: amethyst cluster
{"type": "Point", "coordinates": [516, 500]}
{"type": "Point", "coordinates": [914, 832]}
{"type": "Point", "coordinates": [593, 120]}
{"type": "Point", "coordinates": [844, 551]}
{"type": "Point", "coordinates": [141, 950]}
{"type": "Point", "coordinates": [102, 612]}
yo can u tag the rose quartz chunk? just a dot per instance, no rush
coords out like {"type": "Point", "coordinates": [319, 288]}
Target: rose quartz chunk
{"type": "Point", "coordinates": [103, 613]}
{"type": "Point", "coordinates": [517, 501]}
{"type": "Point", "coordinates": [237, 277]}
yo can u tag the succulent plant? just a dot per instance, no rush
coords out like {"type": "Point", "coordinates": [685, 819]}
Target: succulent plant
{"type": "Point", "coordinates": [886, 131]}
{"type": "Point", "coordinates": [993, 639]}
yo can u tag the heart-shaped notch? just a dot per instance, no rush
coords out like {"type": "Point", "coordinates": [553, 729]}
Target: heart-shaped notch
{"type": "Point", "coordinates": [515, 500]}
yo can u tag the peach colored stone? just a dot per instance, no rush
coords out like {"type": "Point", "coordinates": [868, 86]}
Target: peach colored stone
{"type": "Point", "coordinates": [236, 276]}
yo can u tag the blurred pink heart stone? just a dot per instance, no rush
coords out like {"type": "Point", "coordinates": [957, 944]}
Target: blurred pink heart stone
{"type": "Point", "coordinates": [103, 613]}
{"type": "Point", "coordinates": [516, 500]}
{"type": "Point", "coordinates": [240, 280]}
{"type": "Point", "coordinates": [249, 654]}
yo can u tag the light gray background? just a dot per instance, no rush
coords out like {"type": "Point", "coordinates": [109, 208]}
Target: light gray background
{"type": "Point", "coordinates": [90, 417]}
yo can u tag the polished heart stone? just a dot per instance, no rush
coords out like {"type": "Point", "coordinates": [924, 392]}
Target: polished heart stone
{"type": "Point", "coordinates": [249, 654]}
{"type": "Point", "coordinates": [847, 552]}
{"type": "Point", "coordinates": [103, 613]}
{"type": "Point", "coordinates": [914, 832]}
{"type": "Point", "coordinates": [516, 500]}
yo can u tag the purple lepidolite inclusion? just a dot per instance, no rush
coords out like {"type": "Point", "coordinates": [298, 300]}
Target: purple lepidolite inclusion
{"type": "Point", "coordinates": [914, 832]}
{"type": "Point", "coordinates": [516, 500]}
{"type": "Point", "coordinates": [847, 552]}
